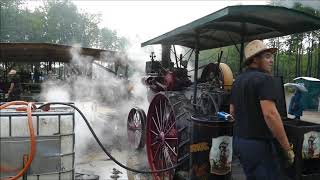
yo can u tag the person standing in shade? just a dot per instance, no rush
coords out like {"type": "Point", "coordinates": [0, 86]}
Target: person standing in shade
{"type": "Point", "coordinates": [258, 125]}
{"type": "Point", "coordinates": [14, 91]}
{"type": "Point", "coordinates": [296, 106]}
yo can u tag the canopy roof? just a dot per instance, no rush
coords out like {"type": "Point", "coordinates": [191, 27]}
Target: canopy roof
{"type": "Point", "coordinates": [227, 26]}
{"type": "Point", "coordinates": [307, 78]}
{"type": "Point", "coordinates": [43, 52]}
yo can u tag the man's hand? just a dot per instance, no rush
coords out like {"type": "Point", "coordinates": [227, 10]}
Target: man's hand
{"type": "Point", "coordinates": [290, 155]}
{"type": "Point", "coordinates": [232, 111]}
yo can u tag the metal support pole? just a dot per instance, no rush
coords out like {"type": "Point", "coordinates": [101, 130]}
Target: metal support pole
{"type": "Point", "coordinates": [243, 33]}
{"type": "Point", "coordinates": [241, 54]}
{"type": "Point", "coordinates": [275, 64]}
{"type": "Point", "coordinates": [277, 56]}
{"type": "Point", "coordinates": [196, 71]}
{"type": "Point", "coordinates": [318, 67]}
{"type": "Point", "coordinates": [175, 55]}
{"type": "Point", "coordinates": [1, 37]}
{"type": "Point", "coordinates": [165, 55]}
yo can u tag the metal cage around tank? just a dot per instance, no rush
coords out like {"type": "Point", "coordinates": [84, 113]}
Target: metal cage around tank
{"type": "Point", "coordinates": [55, 140]}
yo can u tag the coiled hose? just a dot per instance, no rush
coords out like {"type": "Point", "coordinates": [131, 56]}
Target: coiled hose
{"type": "Point", "coordinates": [31, 106]}
{"type": "Point", "coordinates": [101, 145]}
{"type": "Point", "coordinates": [33, 141]}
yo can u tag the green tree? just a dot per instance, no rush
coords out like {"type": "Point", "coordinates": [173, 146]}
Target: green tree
{"type": "Point", "coordinates": [65, 25]}
{"type": "Point", "coordinates": [58, 21]}
{"type": "Point", "coordinates": [109, 39]}
{"type": "Point", "coordinates": [298, 54]}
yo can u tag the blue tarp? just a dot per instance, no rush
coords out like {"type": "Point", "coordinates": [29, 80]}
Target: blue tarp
{"type": "Point", "coordinates": [311, 98]}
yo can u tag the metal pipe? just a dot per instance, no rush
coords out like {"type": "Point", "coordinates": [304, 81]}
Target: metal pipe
{"type": "Point", "coordinates": [243, 33]}
{"type": "Point", "coordinates": [235, 45]}
{"type": "Point", "coordinates": [277, 56]}
{"type": "Point", "coordinates": [196, 70]}
{"type": "Point", "coordinates": [241, 54]}
{"type": "Point", "coordinates": [175, 55]}
{"type": "Point", "coordinates": [165, 55]}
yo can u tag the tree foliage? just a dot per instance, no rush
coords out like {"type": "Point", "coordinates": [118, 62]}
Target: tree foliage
{"type": "Point", "coordinates": [58, 21]}
{"type": "Point", "coordinates": [298, 54]}
{"type": "Point", "coordinates": [111, 40]}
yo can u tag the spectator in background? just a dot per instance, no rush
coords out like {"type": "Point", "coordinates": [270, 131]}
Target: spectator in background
{"type": "Point", "coordinates": [296, 106]}
{"type": "Point", "coordinates": [36, 76]}
{"type": "Point", "coordinates": [14, 91]}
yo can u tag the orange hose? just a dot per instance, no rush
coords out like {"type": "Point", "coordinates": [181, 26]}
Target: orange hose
{"type": "Point", "coordinates": [31, 132]}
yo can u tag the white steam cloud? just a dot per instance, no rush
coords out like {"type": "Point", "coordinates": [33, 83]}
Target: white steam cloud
{"type": "Point", "coordinates": [103, 98]}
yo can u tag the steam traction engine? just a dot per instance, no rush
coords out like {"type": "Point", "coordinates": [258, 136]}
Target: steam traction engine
{"type": "Point", "coordinates": [166, 129]}
{"type": "Point", "coordinates": [174, 124]}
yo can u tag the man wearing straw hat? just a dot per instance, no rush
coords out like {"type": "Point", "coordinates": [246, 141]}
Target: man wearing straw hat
{"type": "Point", "coordinates": [14, 89]}
{"type": "Point", "coordinates": [258, 126]}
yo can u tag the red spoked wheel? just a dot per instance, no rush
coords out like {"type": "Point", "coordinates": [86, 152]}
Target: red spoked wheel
{"type": "Point", "coordinates": [165, 142]}
{"type": "Point", "coordinates": [136, 128]}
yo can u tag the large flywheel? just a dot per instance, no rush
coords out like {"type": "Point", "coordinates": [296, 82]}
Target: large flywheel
{"type": "Point", "coordinates": [136, 128]}
{"type": "Point", "coordinates": [224, 74]}
{"type": "Point", "coordinates": [167, 134]}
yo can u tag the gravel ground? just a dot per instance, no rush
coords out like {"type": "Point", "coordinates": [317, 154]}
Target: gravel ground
{"type": "Point", "coordinates": [99, 164]}
{"type": "Point", "coordinates": [310, 116]}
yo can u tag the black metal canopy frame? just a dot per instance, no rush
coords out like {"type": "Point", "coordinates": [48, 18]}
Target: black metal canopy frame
{"type": "Point", "coordinates": [44, 52]}
{"type": "Point", "coordinates": [236, 25]}
{"type": "Point", "coordinates": [47, 52]}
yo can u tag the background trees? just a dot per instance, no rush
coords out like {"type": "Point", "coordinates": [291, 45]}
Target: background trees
{"type": "Point", "coordinates": [298, 54]}
{"type": "Point", "coordinates": [58, 21]}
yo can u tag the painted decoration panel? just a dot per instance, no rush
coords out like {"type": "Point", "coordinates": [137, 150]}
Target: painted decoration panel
{"type": "Point", "coordinates": [311, 145]}
{"type": "Point", "coordinates": [221, 155]}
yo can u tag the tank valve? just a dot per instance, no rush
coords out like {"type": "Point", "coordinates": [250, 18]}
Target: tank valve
{"type": "Point", "coordinates": [115, 174]}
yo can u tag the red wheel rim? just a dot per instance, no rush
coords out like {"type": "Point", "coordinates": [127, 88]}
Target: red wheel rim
{"type": "Point", "coordinates": [162, 137]}
{"type": "Point", "coordinates": [136, 128]}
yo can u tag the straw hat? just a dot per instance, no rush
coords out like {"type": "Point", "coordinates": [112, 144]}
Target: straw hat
{"type": "Point", "coordinates": [255, 47]}
{"type": "Point", "coordinates": [12, 72]}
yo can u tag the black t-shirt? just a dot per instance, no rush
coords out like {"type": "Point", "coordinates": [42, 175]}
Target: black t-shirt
{"type": "Point", "coordinates": [248, 89]}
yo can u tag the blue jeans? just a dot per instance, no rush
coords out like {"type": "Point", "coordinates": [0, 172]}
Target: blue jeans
{"type": "Point", "coordinates": [258, 158]}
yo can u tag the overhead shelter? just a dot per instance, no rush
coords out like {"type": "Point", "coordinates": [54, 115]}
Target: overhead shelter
{"type": "Point", "coordinates": [236, 25]}
{"type": "Point", "coordinates": [44, 52]}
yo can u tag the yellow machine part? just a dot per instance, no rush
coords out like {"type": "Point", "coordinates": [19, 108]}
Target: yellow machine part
{"type": "Point", "coordinates": [227, 76]}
